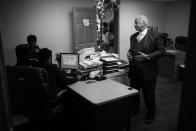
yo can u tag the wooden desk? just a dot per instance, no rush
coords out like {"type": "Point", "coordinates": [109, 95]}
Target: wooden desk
{"type": "Point", "coordinates": [104, 105]}
{"type": "Point", "coordinates": [169, 62]}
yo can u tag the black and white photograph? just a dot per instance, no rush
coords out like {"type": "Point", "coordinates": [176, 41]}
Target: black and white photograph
{"type": "Point", "coordinates": [97, 65]}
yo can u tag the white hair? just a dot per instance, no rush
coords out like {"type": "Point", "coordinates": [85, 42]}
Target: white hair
{"type": "Point", "coordinates": [142, 18]}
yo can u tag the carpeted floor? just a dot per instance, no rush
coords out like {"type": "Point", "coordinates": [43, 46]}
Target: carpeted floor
{"type": "Point", "coordinates": [167, 108]}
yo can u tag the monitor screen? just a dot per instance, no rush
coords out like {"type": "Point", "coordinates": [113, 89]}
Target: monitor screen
{"type": "Point", "coordinates": [69, 60]}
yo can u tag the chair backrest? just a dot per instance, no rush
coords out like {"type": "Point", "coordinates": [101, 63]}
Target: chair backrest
{"type": "Point", "coordinates": [181, 43]}
{"type": "Point", "coordinates": [29, 92]}
{"type": "Point", "coordinates": [26, 54]}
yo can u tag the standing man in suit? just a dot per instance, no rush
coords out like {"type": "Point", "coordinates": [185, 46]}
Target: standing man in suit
{"type": "Point", "coordinates": [145, 49]}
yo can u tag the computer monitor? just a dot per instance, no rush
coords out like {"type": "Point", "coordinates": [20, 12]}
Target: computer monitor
{"type": "Point", "coordinates": [69, 60]}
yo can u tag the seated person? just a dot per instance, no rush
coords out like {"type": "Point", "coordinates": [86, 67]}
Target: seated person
{"type": "Point", "coordinates": [33, 47]}
{"type": "Point", "coordinates": [58, 80]}
{"type": "Point", "coordinates": [32, 40]}
{"type": "Point", "coordinates": [27, 53]}
{"type": "Point", "coordinates": [24, 55]}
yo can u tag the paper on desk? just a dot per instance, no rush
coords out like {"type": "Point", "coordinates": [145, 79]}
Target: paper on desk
{"type": "Point", "coordinates": [110, 59]}
{"type": "Point", "coordinates": [90, 63]}
{"type": "Point", "coordinates": [94, 73]}
{"type": "Point", "coordinates": [116, 55]}
{"type": "Point", "coordinates": [85, 52]}
{"type": "Point", "coordinates": [103, 53]}
{"type": "Point", "coordinates": [90, 50]}
{"type": "Point", "coordinates": [87, 62]}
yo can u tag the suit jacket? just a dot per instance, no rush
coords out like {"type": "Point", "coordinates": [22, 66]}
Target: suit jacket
{"type": "Point", "coordinates": [151, 46]}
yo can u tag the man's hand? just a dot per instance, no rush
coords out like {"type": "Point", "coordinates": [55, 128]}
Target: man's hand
{"type": "Point", "coordinates": [141, 57]}
{"type": "Point", "coordinates": [129, 56]}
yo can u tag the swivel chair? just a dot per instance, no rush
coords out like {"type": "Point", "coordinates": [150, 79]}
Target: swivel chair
{"type": "Point", "coordinates": [26, 54]}
{"type": "Point", "coordinates": [30, 97]}
{"type": "Point", "coordinates": [181, 43]}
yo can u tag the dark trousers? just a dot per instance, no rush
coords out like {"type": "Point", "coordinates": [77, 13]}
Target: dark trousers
{"type": "Point", "coordinates": [138, 82]}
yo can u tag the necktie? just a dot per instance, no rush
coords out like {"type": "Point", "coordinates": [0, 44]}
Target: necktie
{"type": "Point", "coordinates": [139, 37]}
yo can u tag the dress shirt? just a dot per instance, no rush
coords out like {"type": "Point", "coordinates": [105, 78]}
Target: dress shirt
{"type": "Point", "coordinates": [142, 34]}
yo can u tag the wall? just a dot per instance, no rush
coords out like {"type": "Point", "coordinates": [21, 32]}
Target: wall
{"type": "Point", "coordinates": [155, 12]}
{"type": "Point", "coordinates": [170, 17]}
{"type": "Point", "coordinates": [177, 20]}
{"type": "Point", "coordinates": [50, 20]}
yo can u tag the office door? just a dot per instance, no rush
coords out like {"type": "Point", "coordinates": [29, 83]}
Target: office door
{"type": "Point", "coordinates": [85, 28]}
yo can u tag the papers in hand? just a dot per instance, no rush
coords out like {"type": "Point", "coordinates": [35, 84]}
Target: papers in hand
{"type": "Point", "coordinates": [172, 51]}
{"type": "Point", "coordinates": [90, 50]}
{"type": "Point", "coordinates": [143, 54]}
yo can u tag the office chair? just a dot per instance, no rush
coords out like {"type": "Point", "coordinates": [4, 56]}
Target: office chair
{"type": "Point", "coordinates": [30, 98]}
{"type": "Point", "coordinates": [26, 54]}
{"type": "Point", "coordinates": [181, 43]}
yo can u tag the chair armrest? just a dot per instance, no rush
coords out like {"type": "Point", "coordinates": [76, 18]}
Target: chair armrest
{"type": "Point", "coordinates": [19, 119]}
{"type": "Point", "coordinates": [61, 93]}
